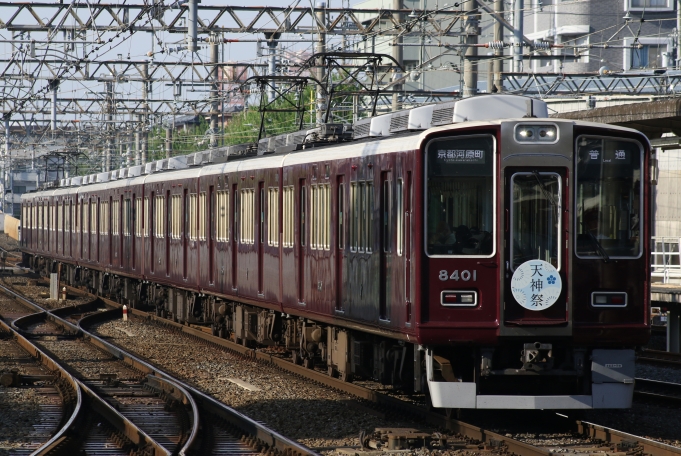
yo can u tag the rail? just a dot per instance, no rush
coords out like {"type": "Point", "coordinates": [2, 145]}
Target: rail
{"type": "Point", "coordinates": [665, 258]}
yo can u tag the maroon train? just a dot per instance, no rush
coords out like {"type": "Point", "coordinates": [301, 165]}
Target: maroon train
{"type": "Point", "coordinates": [492, 263]}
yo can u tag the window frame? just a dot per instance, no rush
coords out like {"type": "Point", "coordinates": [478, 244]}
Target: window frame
{"type": "Point", "coordinates": [495, 202]}
{"type": "Point", "coordinates": [575, 196]}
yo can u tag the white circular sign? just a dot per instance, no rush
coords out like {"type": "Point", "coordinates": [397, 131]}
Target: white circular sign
{"type": "Point", "coordinates": [536, 285]}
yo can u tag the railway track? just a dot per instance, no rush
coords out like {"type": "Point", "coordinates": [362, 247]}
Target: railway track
{"type": "Point", "coordinates": [658, 390]}
{"type": "Point", "coordinates": [659, 357]}
{"type": "Point", "coordinates": [150, 412]}
{"type": "Point", "coordinates": [382, 403]}
{"type": "Point", "coordinates": [473, 436]}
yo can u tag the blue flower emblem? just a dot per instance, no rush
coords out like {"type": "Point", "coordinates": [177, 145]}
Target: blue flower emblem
{"type": "Point", "coordinates": [551, 280]}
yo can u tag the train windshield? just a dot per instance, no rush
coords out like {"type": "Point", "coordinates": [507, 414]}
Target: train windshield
{"type": "Point", "coordinates": [459, 196]}
{"type": "Point", "coordinates": [608, 198]}
{"type": "Point", "coordinates": [535, 218]}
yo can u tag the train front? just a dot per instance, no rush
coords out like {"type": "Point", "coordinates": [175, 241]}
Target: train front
{"type": "Point", "coordinates": [535, 276]}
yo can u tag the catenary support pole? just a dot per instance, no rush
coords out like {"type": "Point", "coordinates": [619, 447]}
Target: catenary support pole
{"type": "Point", "coordinates": [214, 101]}
{"type": "Point", "coordinates": [518, 11]}
{"type": "Point", "coordinates": [470, 64]}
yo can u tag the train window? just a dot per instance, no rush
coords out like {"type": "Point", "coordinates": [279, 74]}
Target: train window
{"type": "Point", "coordinates": [459, 207]}
{"type": "Point", "coordinates": [202, 216]}
{"type": "Point", "coordinates": [609, 198]}
{"type": "Point", "coordinates": [115, 217]}
{"type": "Point", "coordinates": [104, 217]}
{"type": "Point", "coordinates": [138, 217]}
{"type": "Point", "coordinates": [176, 216]}
{"type": "Point", "coordinates": [247, 234]}
{"type": "Point", "coordinates": [223, 216]}
{"type": "Point", "coordinates": [145, 226]}
{"type": "Point", "coordinates": [67, 219]}
{"type": "Point", "coordinates": [127, 216]}
{"type": "Point", "coordinates": [273, 217]}
{"type": "Point", "coordinates": [261, 204]}
{"type": "Point", "coordinates": [314, 214]}
{"type": "Point", "coordinates": [193, 227]}
{"type": "Point", "coordinates": [159, 216]}
{"type": "Point", "coordinates": [303, 209]}
{"type": "Point", "coordinates": [93, 217]}
{"type": "Point", "coordinates": [60, 215]}
{"type": "Point", "coordinates": [400, 217]}
{"type": "Point", "coordinates": [52, 216]}
{"type": "Point", "coordinates": [535, 218]}
{"type": "Point", "coordinates": [288, 201]}
{"type": "Point", "coordinates": [86, 217]}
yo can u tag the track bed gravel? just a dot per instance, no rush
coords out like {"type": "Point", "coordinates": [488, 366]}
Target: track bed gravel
{"type": "Point", "coordinates": [314, 415]}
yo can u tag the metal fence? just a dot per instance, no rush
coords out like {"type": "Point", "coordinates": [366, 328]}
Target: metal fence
{"type": "Point", "coordinates": [665, 258]}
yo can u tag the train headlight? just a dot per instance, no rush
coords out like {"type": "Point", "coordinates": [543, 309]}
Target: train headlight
{"type": "Point", "coordinates": [464, 298]}
{"type": "Point", "coordinates": [532, 133]}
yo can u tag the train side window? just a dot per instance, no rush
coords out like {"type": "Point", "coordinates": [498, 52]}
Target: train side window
{"type": "Point", "coordinates": [262, 212]}
{"type": "Point", "coordinates": [138, 217]}
{"type": "Point", "coordinates": [127, 217]}
{"type": "Point", "coordinates": [159, 216]}
{"type": "Point", "coordinates": [104, 217]}
{"type": "Point", "coordinates": [60, 215]}
{"type": "Point", "coordinates": [176, 216]}
{"type": "Point", "coordinates": [303, 208]}
{"type": "Point", "coordinates": [222, 216]}
{"type": "Point", "coordinates": [114, 217]}
{"type": "Point", "coordinates": [314, 217]}
{"type": "Point", "coordinates": [94, 229]}
{"type": "Point", "coordinates": [202, 216]}
{"type": "Point", "coordinates": [400, 217]}
{"type": "Point", "coordinates": [247, 216]}
{"type": "Point", "coordinates": [86, 216]}
{"type": "Point", "coordinates": [288, 216]}
{"type": "Point", "coordinates": [145, 226]}
{"type": "Point", "coordinates": [273, 217]}
{"type": "Point", "coordinates": [193, 228]}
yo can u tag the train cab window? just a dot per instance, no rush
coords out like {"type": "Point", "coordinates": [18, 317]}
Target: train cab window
{"type": "Point", "coordinates": [535, 218]}
{"type": "Point", "coordinates": [460, 186]}
{"type": "Point", "coordinates": [609, 198]}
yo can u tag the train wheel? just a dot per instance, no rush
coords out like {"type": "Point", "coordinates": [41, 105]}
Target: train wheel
{"type": "Point", "coordinates": [295, 358]}
{"type": "Point", "coordinates": [332, 372]}
{"type": "Point", "coordinates": [345, 376]}
{"type": "Point", "coordinates": [308, 363]}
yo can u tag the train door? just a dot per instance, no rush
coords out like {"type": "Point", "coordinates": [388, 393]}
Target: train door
{"type": "Point", "coordinates": [152, 231]}
{"type": "Point", "coordinates": [404, 238]}
{"type": "Point", "coordinates": [536, 256]}
{"type": "Point", "coordinates": [302, 222]}
{"type": "Point", "coordinates": [340, 244]}
{"type": "Point", "coordinates": [185, 231]}
{"type": "Point", "coordinates": [261, 235]}
{"type": "Point", "coordinates": [211, 234]}
{"type": "Point", "coordinates": [167, 223]}
{"type": "Point", "coordinates": [235, 233]}
{"type": "Point", "coordinates": [385, 246]}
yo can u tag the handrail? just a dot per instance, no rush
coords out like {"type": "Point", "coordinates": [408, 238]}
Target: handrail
{"type": "Point", "coordinates": [665, 257]}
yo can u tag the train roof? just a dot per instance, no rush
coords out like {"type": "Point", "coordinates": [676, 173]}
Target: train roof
{"type": "Point", "coordinates": [401, 130]}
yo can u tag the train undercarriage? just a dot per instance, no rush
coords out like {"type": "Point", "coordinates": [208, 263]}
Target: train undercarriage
{"type": "Point", "coordinates": [513, 374]}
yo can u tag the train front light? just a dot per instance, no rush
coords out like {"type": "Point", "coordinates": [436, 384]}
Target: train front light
{"type": "Point", "coordinates": [531, 133]}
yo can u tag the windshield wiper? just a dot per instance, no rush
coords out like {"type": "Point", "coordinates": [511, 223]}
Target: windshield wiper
{"type": "Point", "coordinates": [599, 248]}
{"type": "Point", "coordinates": [544, 190]}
